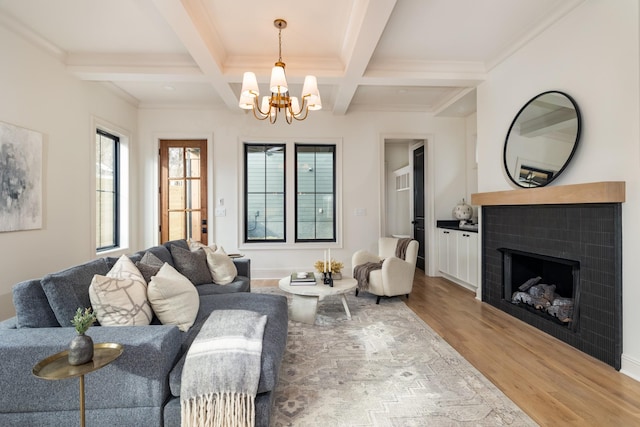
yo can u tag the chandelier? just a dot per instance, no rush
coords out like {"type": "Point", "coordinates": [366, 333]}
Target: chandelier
{"type": "Point", "coordinates": [279, 101]}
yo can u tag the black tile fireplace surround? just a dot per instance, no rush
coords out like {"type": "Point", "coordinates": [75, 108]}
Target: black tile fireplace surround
{"type": "Point", "coordinates": [590, 234]}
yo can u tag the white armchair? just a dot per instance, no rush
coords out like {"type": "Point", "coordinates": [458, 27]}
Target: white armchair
{"type": "Point", "coordinates": [396, 275]}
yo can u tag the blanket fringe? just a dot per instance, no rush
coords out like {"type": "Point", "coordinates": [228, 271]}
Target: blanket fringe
{"type": "Point", "coordinates": [219, 410]}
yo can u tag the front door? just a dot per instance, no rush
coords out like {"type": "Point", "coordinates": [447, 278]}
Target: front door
{"type": "Point", "coordinates": [418, 203]}
{"type": "Point", "coordinates": [183, 190]}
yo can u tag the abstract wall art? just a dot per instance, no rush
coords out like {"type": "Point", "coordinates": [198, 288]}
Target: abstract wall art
{"type": "Point", "coordinates": [20, 178]}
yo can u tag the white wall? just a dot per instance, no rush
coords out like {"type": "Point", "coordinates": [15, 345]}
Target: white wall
{"type": "Point", "coordinates": [38, 94]}
{"type": "Point", "coordinates": [360, 136]}
{"type": "Point", "coordinates": [593, 55]}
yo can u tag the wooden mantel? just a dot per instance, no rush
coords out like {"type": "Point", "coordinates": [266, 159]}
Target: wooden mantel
{"type": "Point", "coordinates": [594, 192]}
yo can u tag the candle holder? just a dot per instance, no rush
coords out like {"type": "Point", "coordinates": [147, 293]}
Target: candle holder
{"type": "Point", "coordinates": [327, 279]}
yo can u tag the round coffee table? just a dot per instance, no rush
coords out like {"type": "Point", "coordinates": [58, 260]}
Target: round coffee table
{"type": "Point", "coordinates": [304, 302]}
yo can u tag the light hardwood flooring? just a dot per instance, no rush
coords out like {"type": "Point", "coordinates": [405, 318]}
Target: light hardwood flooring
{"type": "Point", "coordinates": [555, 384]}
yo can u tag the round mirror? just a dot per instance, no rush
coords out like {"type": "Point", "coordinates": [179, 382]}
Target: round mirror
{"type": "Point", "coordinates": [542, 139]}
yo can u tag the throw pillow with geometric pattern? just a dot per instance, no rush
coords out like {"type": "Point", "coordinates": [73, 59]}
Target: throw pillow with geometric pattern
{"type": "Point", "coordinates": [120, 297]}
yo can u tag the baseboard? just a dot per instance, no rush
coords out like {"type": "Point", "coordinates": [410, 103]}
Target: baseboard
{"type": "Point", "coordinates": [630, 367]}
{"type": "Point", "coordinates": [459, 282]}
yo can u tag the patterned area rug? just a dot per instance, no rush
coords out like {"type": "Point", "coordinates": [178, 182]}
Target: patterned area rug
{"type": "Point", "coordinates": [385, 367]}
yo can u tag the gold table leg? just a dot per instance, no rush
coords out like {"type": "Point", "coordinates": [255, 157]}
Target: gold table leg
{"type": "Point", "coordinates": [82, 401]}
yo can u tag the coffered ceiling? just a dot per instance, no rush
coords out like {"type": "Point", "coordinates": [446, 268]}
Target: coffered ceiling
{"type": "Point", "coordinates": [368, 55]}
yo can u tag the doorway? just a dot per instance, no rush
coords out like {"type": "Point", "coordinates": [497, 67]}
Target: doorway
{"type": "Point", "coordinates": [183, 190]}
{"type": "Point", "coordinates": [407, 202]}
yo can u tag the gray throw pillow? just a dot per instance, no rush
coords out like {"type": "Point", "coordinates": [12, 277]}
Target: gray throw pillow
{"type": "Point", "coordinates": [32, 306]}
{"type": "Point", "coordinates": [68, 290]}
{"type": "Point", "coordinates": [192, 265]}
{"type": "Point", "coordinates": [149, 266]}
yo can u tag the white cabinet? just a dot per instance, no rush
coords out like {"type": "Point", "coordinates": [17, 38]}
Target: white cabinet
{"type": "Point", "coordinates": [458, 255]}
{"type": "Point", "coordinates": [448, 251]}
{"type": "Point", "coordinates": [468, 257]}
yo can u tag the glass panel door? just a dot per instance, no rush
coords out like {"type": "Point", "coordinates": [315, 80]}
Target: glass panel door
{"type": "Point", "coordinates": [183, 190]}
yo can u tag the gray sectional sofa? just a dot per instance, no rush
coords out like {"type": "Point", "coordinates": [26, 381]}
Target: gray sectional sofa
{"type": "Point", "coordinates": [142, 387]}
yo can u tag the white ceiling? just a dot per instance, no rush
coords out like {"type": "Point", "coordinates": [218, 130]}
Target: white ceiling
{"type": "Point", "coordinates": [368, 55]}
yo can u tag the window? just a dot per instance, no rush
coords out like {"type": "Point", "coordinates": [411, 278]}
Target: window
{"type": "Point", "coordinates": [315, 193]}
{"type": "Point", "coordinates": [107, 190]}
{"type": "Point", "coordinates": [264, 215]}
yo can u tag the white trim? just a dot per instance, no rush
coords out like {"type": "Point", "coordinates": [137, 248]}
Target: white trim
{"type": "Point", "coordinates": [125, 182]}
{"type": "Point", "coordinates": [630, 367]}
{"type": "Point", "coordinates": [210, 183]}
{"type": "Point", "coordinates": [429, 186]}
{"type": "Point", "coordinates": [290, 243]}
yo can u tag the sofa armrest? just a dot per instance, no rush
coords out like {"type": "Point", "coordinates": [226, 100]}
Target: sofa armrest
{"type": "Point", "coordinates": [397, 276]}
{"type": "Point", "coordinates": [138, 378]}
{"type": "Point", "coordinates": [243, 265]}
{"type": "Point", "coordinates": [10, 323]}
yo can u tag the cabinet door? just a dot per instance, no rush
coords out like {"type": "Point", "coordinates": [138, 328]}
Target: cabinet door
{"type": "Point", "coordinates": [443, 250]}
{"type": "Point", "coordinates": [463, 256]}
{"type": "Point", "coordinates": [447, 251]}
{"type": "Point", "coordinates": [452, 252]}
{"type": "Point", "coordinates": [473, 258]}
{"type": "Point", "coordinates": [468, 257]}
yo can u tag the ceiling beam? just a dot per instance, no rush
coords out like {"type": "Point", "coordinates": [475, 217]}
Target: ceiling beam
{"type": "Point", "coordinates": [139, 67]}
{"type": "Point", "coordinates": [367, 23]}
{"type": "Point", "coordinates": [189, 21]}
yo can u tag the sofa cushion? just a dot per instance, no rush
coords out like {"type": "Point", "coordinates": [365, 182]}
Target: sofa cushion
{"type": "Point", "coordinates": [191, 264]}
{"type": "Point", "coordinates": [120, 297]}
{"type": "Point", "coordinates": [32, 306]}
{"type": "Point", "coordinates": [273, 342]}
{"type": "Point", "coordinates": [221, 266]}
{"type": "Point", "coordinates": [173, 297]}
{"type": "Point", "coordinates": [68, 290]}
{"type": "Point", "coordinates": [149, 266]}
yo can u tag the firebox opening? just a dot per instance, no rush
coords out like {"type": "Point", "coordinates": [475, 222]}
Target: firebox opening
{"type": "Point", "coordinates": [547, 286]}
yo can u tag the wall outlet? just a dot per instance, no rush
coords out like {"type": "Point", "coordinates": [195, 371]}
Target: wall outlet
{"type": "Point", "coordinates": [221, 212]}
{"type": "Point", "coordinates": [360, 212]}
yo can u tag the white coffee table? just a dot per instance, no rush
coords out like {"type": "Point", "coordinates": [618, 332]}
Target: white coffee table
{"type": "Point", "coordinates": [304, 303]}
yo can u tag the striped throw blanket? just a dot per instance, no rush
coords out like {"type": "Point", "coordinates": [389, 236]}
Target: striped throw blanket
{"type": "Point", "coordinates": [222, 370]}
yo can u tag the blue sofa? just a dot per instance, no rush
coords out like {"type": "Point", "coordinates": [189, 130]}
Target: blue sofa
{"type": "Point", "coordinates": [142, 387]}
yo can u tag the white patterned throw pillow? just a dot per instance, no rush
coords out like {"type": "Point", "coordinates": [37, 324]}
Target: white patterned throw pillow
{"type": "Point", "coordinates": [120, 297]}
{"type": "Point", "coordinates": [174, 298]}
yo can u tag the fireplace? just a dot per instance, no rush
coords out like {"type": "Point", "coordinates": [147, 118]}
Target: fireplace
{"type": "Point", "coordinates": [575, 246]}
{"type": "Point", "coordinates": [544, 285]}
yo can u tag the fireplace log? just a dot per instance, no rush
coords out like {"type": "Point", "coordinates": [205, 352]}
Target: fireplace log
{"type": "Point", "coordinates": [564, 313]}
{"type": "Point", "coordinates": [529, 283]}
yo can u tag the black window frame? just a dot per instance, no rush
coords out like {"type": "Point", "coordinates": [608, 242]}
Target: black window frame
{"type": "Point", "coordinates": [266, 146]}
{"type": "Point", "coordinates": [333, 184]}
{"type": "Point", "coordinates": [116, 192]}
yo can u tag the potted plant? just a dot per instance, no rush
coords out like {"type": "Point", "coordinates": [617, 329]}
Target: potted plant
{"type": "Point", "coordinates": [81, 346]}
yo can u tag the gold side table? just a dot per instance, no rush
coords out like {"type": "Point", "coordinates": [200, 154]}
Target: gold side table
{"type": "Point", "coordinates": [57, 367]}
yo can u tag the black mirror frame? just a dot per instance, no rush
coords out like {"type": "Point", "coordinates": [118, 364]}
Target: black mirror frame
{"type": "Point", "coordinates": [575, 144]}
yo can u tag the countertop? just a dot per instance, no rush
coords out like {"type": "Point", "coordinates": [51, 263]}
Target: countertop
{"type": "Point", "coordinates": [454, 225]}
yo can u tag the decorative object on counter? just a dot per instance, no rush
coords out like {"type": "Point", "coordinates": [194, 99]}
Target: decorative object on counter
{"type": "Point", "coordinates": [81, 346]}
{"type": "Point", "coordinates": [463, 212]}
{"type": "Point", "coordinates": [542, 139]}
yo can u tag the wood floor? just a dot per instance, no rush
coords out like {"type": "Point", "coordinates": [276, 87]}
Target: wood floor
{"type": "Point", "coordinates": [552, 382]}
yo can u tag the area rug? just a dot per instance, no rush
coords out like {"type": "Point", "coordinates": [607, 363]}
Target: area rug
{"type": "Point", "coordinates": [384, 367]}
